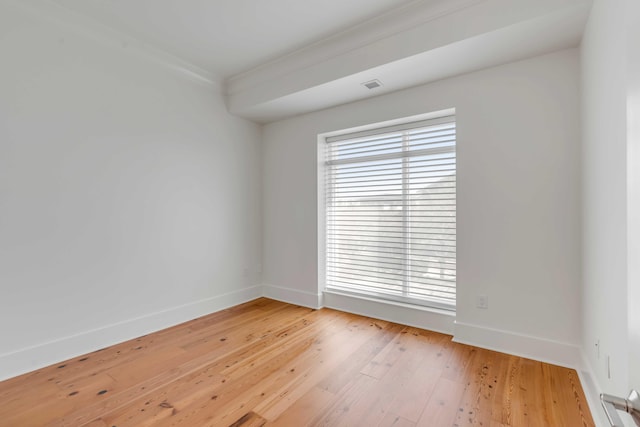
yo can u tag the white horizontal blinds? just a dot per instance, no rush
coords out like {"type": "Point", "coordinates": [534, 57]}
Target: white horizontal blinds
{"type": "Point", "coordinates": [391, 212]}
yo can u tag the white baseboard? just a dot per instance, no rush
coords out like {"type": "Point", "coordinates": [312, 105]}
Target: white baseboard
{"type": "Point", "coordinates": [293, 296]}
{"type": "Point", "coordinates": [554, 352]}
{"type": "Point", "coordinates": [406, 314]}
{"type": "Point", "coordinates": [592, 391]}
{"type": "Point", "coordinates": [563, 354]}
{"type": "Point", "coordinates": [36, 357]}
{"type": "Point", "coordinates": [543, 350]}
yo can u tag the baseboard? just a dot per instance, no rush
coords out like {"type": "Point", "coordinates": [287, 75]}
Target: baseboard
{"type": "Point", "coordinates": [543, 350]}
{"type": "Point", "coordinates": [406, 314]}
{"type": "Point", "coordinates": [562, 354]}
{"type": "Point", "coordinates": [293, 296]}
{"type": "Point", "coordinates": [592, 391]}
{"type": "Point", "coordinates": [549, 351]}
{"type": "Point", "coordinates": [36, 357]}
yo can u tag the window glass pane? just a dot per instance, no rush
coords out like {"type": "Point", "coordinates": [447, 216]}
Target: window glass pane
{"type": "Point", "coordinates": [391, 214]}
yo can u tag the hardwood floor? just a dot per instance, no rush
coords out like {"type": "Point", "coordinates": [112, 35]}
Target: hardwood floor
{"type": "Point", "coordinates": [267, 363]}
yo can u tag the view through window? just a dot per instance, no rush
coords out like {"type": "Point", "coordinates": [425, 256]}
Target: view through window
{"type": "Point", "coordinates": [391, 212]}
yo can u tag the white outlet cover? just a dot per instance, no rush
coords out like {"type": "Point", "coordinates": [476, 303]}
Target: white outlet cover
{"type": "Point", "coordinates": [482, 301]}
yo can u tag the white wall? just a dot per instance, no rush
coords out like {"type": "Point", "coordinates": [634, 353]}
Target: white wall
{"type": "Point", "coordinates": [518, 198]}
{"type": "Point", "coordinates": [125, 190]}
{"type": "Point", "coordinates": [633, 191]}
{"type": "Point", "coordinates": [611, 197]}
{"type": "Point", "coordinates": [605, 228]}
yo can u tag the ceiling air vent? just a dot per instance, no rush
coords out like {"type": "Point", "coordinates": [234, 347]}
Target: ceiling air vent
{"type": "Point", "coordinates": [373, 84]}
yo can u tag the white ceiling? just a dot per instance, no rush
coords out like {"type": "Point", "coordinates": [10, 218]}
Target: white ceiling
{"type": "Point", "coordinates": [227, 37]}
{"type": "Point", "coordinates": [278, 58]}
{"type": "Point", "coordinates": [419, 44]}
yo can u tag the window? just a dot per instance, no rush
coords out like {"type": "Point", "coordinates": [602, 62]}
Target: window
{"type": "Point", "coordinates": [391, 212]}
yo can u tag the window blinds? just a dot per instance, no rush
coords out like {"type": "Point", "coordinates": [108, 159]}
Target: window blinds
{"type": "Point", "coordinates": [391, 212]}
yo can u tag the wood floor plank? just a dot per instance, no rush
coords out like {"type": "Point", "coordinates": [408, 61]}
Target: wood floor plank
{"type": "Point", "coordinates": [443, 405]}
{"type": "Point", "coordinates": [103, 359]}
{"type": "Point", "coordinates": [382, 363]}
{"type": "Point", "coordinates": [331, 355]}
{"type": "Point", "coordinates": [393, 420]}
{"type": "Point", "coordinates": [475, 407]}
{"type": "Point", "coordinates": [212, 387]}
{"type": "Point", "coordinates": [267, 363]}
{"type": "Point", "coordinates": [458, 361]}
{"type": "Point", "coordinates": [535, 411]}
{"type": "Point", "coordinates": [569, 408]}
{"type": "Point", "coordinates": [342, 375]}
{"type": "Point", "coordinates": [250, 419]}
{"type": "Point", "coordinates": [120, 356]}
{"type": "Point", "coordinates": [217, 357]}
{"type": "Point", "coordinates": [306, 409]}
{"type": "Point", "coordinates": [414, 380]}
{"type": "Point", "coordinates": [351, 407]}
{"type": "Point", "coordinates": [505, 384]}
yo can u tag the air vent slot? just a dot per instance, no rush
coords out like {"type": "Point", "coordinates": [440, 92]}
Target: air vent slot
{"type": "Point", "coordinates": [373, 84]}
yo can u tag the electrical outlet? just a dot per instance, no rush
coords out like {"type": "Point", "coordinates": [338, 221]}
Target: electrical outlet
{"type": "Point", "coordinates": [482, 301]}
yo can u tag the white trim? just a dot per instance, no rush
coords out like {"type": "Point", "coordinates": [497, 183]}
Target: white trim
{"type": "Point", "coordinates": [397, 312]}
{"type": "Point", "coordinates": [445, 112]}
{"type": "Point", "coordinates": [379, 28]}
{"type": "Point", "coordinates": [293, 296]}
{"type": "Point", "coordinates": [406, 124]}
{"type": "Point", "coordinates": [327, 140]}
{"type": "Point", "coordinates": [562, 354]}
{"type": "Point", "coordinates": [543, 350]}
{"type": "Point", "coordinates": [83, 25]}
{"type": "Point", "coordinates": [38, 356]}
{"type": "Point", "coordinates": [592, 391]}
{"type": "Point", "coordinates": [321, 214]}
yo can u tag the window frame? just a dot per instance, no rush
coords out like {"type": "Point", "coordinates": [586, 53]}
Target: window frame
{"type": "Point", "coordinates": [373, 129]}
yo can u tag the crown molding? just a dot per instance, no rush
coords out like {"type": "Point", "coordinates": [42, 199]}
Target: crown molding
{"type": "Point", "coordinates": [57, 14]}
{"type": "Point", "coordinates": [435, 44]}
{"type": "Point", "coordinates": [373, 30]}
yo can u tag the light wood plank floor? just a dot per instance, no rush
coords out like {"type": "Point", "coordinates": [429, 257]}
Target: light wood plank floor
{"type": "Point", "coordinates": [267, 363]}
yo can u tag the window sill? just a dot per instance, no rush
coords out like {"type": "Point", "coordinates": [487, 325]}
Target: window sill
{"type": "Point", "coordinates": [434, 319]}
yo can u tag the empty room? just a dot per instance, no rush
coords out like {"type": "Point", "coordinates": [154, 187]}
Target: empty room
{"type": "Point", "coordinates": [319, 213]}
